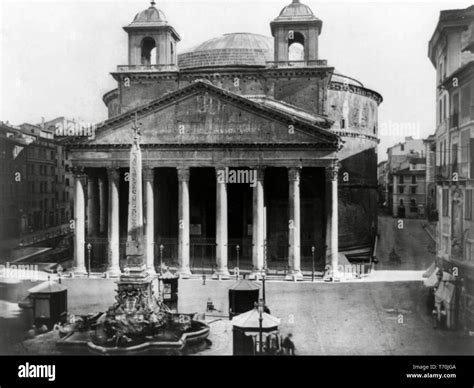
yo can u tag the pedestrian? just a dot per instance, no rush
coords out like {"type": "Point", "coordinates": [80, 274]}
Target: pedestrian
{"type": "Point", "coordinates": [288, 346]}
{"type": "Point", "coordinates": [272, 346]}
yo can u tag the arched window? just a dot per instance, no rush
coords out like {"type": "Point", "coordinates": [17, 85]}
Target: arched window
{"type": "Point", "coordinates": [148, 56]}
{"type": "Point", "coordinates": [296, 46]}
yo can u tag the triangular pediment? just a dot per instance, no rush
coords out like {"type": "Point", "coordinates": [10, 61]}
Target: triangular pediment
{"type": "Point", "coordinates": [204, 114]}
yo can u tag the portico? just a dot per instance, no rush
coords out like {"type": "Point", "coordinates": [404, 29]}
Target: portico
{"type": "Point", "coordinates": [185, 201]}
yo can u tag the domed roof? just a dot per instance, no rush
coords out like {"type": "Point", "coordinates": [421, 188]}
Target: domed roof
{"type": "Point", "coordinates": [296, 11]}
{"type": "Point", "coordinates": [237, 49]}
{"type": "Point", "coordinates": [151, 16]}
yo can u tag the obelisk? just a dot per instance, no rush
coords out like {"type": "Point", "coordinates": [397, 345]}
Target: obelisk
{"type": "Point", "coordinates": [134, 248]}
{"type": "Point", "coordinates": [135, 268]}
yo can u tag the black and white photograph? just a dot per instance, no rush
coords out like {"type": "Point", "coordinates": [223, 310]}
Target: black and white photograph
{"type": "Point", "coordinates": [276, 178]}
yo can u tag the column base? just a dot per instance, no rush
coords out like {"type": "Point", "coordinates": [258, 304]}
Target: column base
{"type": "Point", "coordinates": [79, 270]}
{"type": "Point", "coordinates": [294, 276]}
{"type": "Point", "coordinates": [184, 273]}
{"type": "Point", "coordinates": [221, 274]}
{"type": "Point", "coordinates": [256, 274]}
{"type": "Point", "coordinates": [113, 271]}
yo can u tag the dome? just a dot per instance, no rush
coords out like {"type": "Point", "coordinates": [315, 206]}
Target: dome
{"type": "Point", "coordinates": [151, 16]}
{"type": "Point", "coordinates": [238, 49]}
{"type": "Point", "coordinates": [296, 11]}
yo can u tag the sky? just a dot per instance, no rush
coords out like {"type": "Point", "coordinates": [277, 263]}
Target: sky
{"type": "Point", "coordinates": [56, 56]}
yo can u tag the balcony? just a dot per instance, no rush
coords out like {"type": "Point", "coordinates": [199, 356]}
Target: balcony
{"type": "Point", "coordinates": [146, 68]}
{"type": "Point", "coordinates": [296, 64]}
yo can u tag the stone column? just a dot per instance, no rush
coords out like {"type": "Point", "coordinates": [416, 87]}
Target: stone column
{"type": "Point", "coordinates": [183, 222]}
{"type": "Point", "coordinates": [257, 226]}
{"type": "Point", "coordinates": [149, 179]}
{"type": "Point", "coordinates": [79, 221]}
{"type": "Point", "coordinates": [103, 205]}
{"type": "Point", "coordinates": [332, 181]}
{"type": "Point", "coordinates": [92, 206]}
{"type": "Point", "coordinates": [113, 267]}
{"type": "Point", "coordinates": [222, 272]}
{"type": "Point", "coordinates": [294, 225]}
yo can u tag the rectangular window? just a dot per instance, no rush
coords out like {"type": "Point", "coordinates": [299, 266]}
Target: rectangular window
{"type": "Point", "coordinates": [401, 180]}
{"type": "Point", "coordinates": [454, 156]}
{"type": "Point", "coordinates": [470, 250]}
{"type": "Point", "coordinates": [468, 205]}
{"type": "Point", "coordinates": [471, 158]}
{"type": "Point", "coordinates": [445, 202]}
{"type": "Point", "coordinates": [446, 244]}
{"type": "Point", "coordinates": [440, 110]}
{"type": "Point", "coordinates": [444, 156]}
{"type": "Point", "coordinates": [401, 189]}
{"type": "Point", "coordinates": [413, 179]}
{"type": "Point", "coordinates": [445, 108]}
{"type": "Point", "coordinates": [455, 110]}
{"type": "Point", "coordinates": [465, 101]}
{"type": "Point", "coordinates": [413, 190]}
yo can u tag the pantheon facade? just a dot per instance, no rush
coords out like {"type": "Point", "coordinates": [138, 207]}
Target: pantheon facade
{"type": "Point", "coordinates": [247, 105]}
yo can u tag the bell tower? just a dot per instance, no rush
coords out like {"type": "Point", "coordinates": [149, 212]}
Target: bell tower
{"type": "Point", "coordinates": [151, 40]}
{"type": "Point", "coordinates": [296, 32]}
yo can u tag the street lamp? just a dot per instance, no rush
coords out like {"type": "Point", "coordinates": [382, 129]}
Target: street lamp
{"type": "Point", "coordinates": [263, 288]}
{"type": "Point", "coordinates": [259, 307]}
{"type": "Point", "coordinates": [89, 248]}
{"type": "Point", "coordinates": [313, 249]}
{"type": "Point", "coordinates": [161, 259]}
{"type": "Point", "coordinates": [238, 251]}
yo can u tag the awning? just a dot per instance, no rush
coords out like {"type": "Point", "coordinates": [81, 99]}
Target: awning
{"type": "Point", "coordinates": [250, 321]}
{"type": "Point", "coordinates": [433, 278]}
{"type": "Point", "coordinates": [245, 285]}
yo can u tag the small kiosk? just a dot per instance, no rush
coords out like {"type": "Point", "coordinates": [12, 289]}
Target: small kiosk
{"type": "Point", "coordinates": [249, 327]}
{"type": "Point", "coordinates": [49, 302]}
{"type": "Point", "coordinates": [169, 290]}
{"type": "Point", "coordinates": [242, 297]}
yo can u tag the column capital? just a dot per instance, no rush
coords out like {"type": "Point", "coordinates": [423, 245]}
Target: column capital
{"type": "Point", "coordinates": [148, 174]}
{"type": "Point", "coordinates": [113, 173]}
{"type": "Point", "coordinates": [183, 174]}
{"type": "Point", "coordinates": [78, 172]}
{"type": "Point", "coordinates": [294, 173]}
{"type": "Point", "coordinates": [332, 172]}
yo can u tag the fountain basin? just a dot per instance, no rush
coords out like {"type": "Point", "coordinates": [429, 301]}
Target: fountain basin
{"type": "Point", "coordinates": [82, 342]}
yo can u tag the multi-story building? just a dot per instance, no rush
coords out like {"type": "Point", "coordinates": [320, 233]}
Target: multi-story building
{"type": "Point", "coordinates": [36, 183]}
{"type": "Point", "coordinates": [409, 188]}
{"type": "Point", "coordinates": [405, 172]}
{"type": "Point", "coordinates": [451, 51]}
{"type": "Point", "coordinates": [13, 178]}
